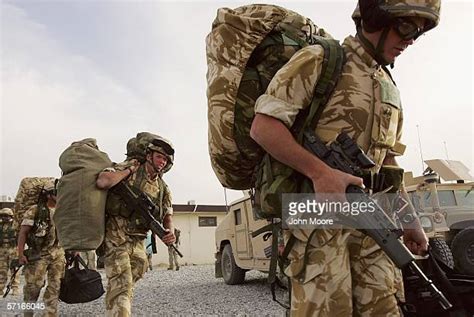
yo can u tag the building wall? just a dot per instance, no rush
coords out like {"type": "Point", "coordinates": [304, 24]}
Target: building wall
{"type": "Point", "coordinates": [197, 243]}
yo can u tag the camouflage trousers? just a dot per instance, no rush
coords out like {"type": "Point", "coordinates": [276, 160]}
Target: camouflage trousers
{"type": "Point", "coordinates": [6, 256]}
{"type": "Point", "coordinates": [172, 258]}
{"type": "Point", "coordinates": [150, 261]}
{"type": "Point", "coordinates": [347, 274]}
{"type": "Point", "coordinates": [50, 266]}
{"type": "Point", "coordinates": [90, 258]}
{"type": "Point", "coordinates": [125, 264]}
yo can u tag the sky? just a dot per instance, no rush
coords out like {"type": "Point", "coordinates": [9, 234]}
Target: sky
{"type": "Point", "coordinates": [109, 69]}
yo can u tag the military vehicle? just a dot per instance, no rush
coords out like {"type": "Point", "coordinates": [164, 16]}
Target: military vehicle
{"type": "Point", "coordinates": [237, 251]}
{"type": "Point", "coordinates": [446, 213]}
{"type": "Point", "coordinates": [448, 203]}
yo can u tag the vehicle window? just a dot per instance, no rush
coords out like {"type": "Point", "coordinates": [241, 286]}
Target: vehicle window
{"type": "Point", "coordinates": [415, 200]}
{"type": "Point", "coordinates": [207, 221]}
{"type": "Point", "coordinates": [465, 197]}
{"type": "Point", "coordinates": [238, 217]}
{"type": "Point", "coordinates": [427, 199]}
{"type": "Point", "coordinates": [446, 198]}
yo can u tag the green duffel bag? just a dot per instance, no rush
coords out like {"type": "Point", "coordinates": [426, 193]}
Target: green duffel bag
{"type": "Point", "coordinates": [80, 208]}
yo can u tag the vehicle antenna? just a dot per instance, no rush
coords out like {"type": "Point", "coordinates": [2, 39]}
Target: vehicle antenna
{"type": "Point", "coordinates": [421, 150]}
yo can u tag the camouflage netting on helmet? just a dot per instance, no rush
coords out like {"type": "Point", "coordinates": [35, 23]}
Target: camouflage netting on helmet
{"type": "Point", "coordinates": [28, 194]}
{"type": "Point", "coordinates": [428, 9]}
{"type": "Point", "coordinates": [80, 208]}
{"type": "Point", "coordinates": [244, 50]}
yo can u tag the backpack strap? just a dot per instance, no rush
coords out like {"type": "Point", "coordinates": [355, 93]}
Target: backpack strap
{"type": "Point", "coordinates": [331, 70]}
{"type": "Point", "coordinates": [334, 59]}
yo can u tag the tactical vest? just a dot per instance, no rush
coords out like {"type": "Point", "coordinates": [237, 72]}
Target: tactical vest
{"type": "Point", "coordinates": [7, 233]}
{"type": "Point", "coordinates": [38, 237]}
{"type": "Point", "coordinates": [115, 206]}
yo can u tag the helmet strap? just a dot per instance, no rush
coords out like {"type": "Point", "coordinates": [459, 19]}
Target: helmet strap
{"type": "Point", "coordinates": [375, 52]}
{"type": "Point", "coordinates": [150, 162]}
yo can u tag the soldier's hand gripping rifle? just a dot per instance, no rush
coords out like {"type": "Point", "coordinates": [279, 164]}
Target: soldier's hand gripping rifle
{"type": "Point", "coordinates": [141, 203]}
{"type": "Point", "coordinates": [345, 155]}
{"type": "Point", "coordinates": [15, 265]}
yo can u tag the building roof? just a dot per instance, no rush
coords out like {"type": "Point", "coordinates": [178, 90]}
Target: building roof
{"type": "Point", "coordinates": [199, 208]}
{"type": "Point", "coordinates": [7, 204]}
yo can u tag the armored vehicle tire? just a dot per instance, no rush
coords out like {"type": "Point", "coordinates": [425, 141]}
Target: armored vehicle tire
{"type": "Point", "coordinates": [231, 273]}
{"type": "Point", "coordinates": [442, 251]}
{"type": "Point", "coordinates": [463, 251]}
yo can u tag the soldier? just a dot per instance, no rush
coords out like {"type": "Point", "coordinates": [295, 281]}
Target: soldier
{"type": "Point", "coordinates": [125, 257]}
{"type": "Point", "coordinates": [346, 271]}
{"type": "Point", "coordinates": [172, 255]}
{"type": "Point", "coordinates": [7, 249]}
{"type": "Point", "coordinates": [149, 245]}
{"type": "Point", "coordinates": [38, 231]}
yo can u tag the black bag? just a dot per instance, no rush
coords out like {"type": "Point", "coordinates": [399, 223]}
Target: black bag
{"type": "Point", "coordinates": [458, 288]}
{"type": "Point", "coordinates": [80, 285]}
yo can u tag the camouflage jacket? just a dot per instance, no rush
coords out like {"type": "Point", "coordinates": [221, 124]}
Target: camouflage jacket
{"type": "Point", "coordinates": [43, 233]}
{"type": "Point", "coordinates": [365, 102]}
{"type": "Point", "coordinates": [122, 223]}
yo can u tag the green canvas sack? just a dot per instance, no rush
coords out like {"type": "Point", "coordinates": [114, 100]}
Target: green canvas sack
{"type": "Point", "coordinates": [245, 49]}
{"type": "Point", "coordinates": [80, 207]}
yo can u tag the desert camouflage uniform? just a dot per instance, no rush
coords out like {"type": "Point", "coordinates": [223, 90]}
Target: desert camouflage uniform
{"type": "Point", "coordinates": [125, 258]}
{"type": "Point", "coordinates": [51, 264]}
{"type": "Point", "coordinates": [347, 272]}
{"type": "Point", "coordinates": [172, 255]}
{"type": "Point", "coordinates": [7, 252]}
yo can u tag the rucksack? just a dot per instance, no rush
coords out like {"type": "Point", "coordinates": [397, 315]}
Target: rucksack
{"type": "Point", "coordinates": [29, 194]}
{"type": "Point", "coordinates": [80, 285]}
{"type": "Point", "coordinates": [80, 207]}
{"type": "Point", "coordinates": [245, 49]}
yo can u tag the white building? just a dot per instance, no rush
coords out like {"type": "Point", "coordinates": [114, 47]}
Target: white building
{"type": "Point", "coordinates": [197, 224]}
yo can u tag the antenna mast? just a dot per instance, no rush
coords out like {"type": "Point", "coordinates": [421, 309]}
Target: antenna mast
{"type": "Point", "coordinates": [421, 150]}
{"type": "Point", "coordinates": [446, 150]}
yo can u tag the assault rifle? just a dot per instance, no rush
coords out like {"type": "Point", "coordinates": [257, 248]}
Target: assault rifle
{"type": "Point", "coordinates": [15, 266]}
{"type": "Point", "coordinates": [141, 203]}
{"type": "Point", "coordinates": [345, 155]}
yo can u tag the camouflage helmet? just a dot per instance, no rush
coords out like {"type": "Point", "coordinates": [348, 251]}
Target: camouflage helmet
{"type": "Point", "coordinates": [389, 9]}
{"type": "Point", "coordinates": [163, 146]}
{"type": "Point", "coordinates": [50, 186]}
{"type": "Point", "coordinates": [6, 212]}
{"type": "Point", "coordinates": [133, 149]}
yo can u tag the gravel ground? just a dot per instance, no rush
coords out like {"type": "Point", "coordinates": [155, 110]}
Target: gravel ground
{"type": "Point", "coordinates": [193, 290]}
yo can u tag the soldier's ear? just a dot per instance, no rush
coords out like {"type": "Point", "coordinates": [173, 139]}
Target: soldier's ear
{"type": "Point", "coordinates": [149, 156]}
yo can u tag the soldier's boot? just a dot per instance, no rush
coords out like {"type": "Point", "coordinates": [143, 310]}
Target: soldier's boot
{"type": "Point", "coordinates": [170, 268]}
{"type": "Point", "coordinates": [177, 268]}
